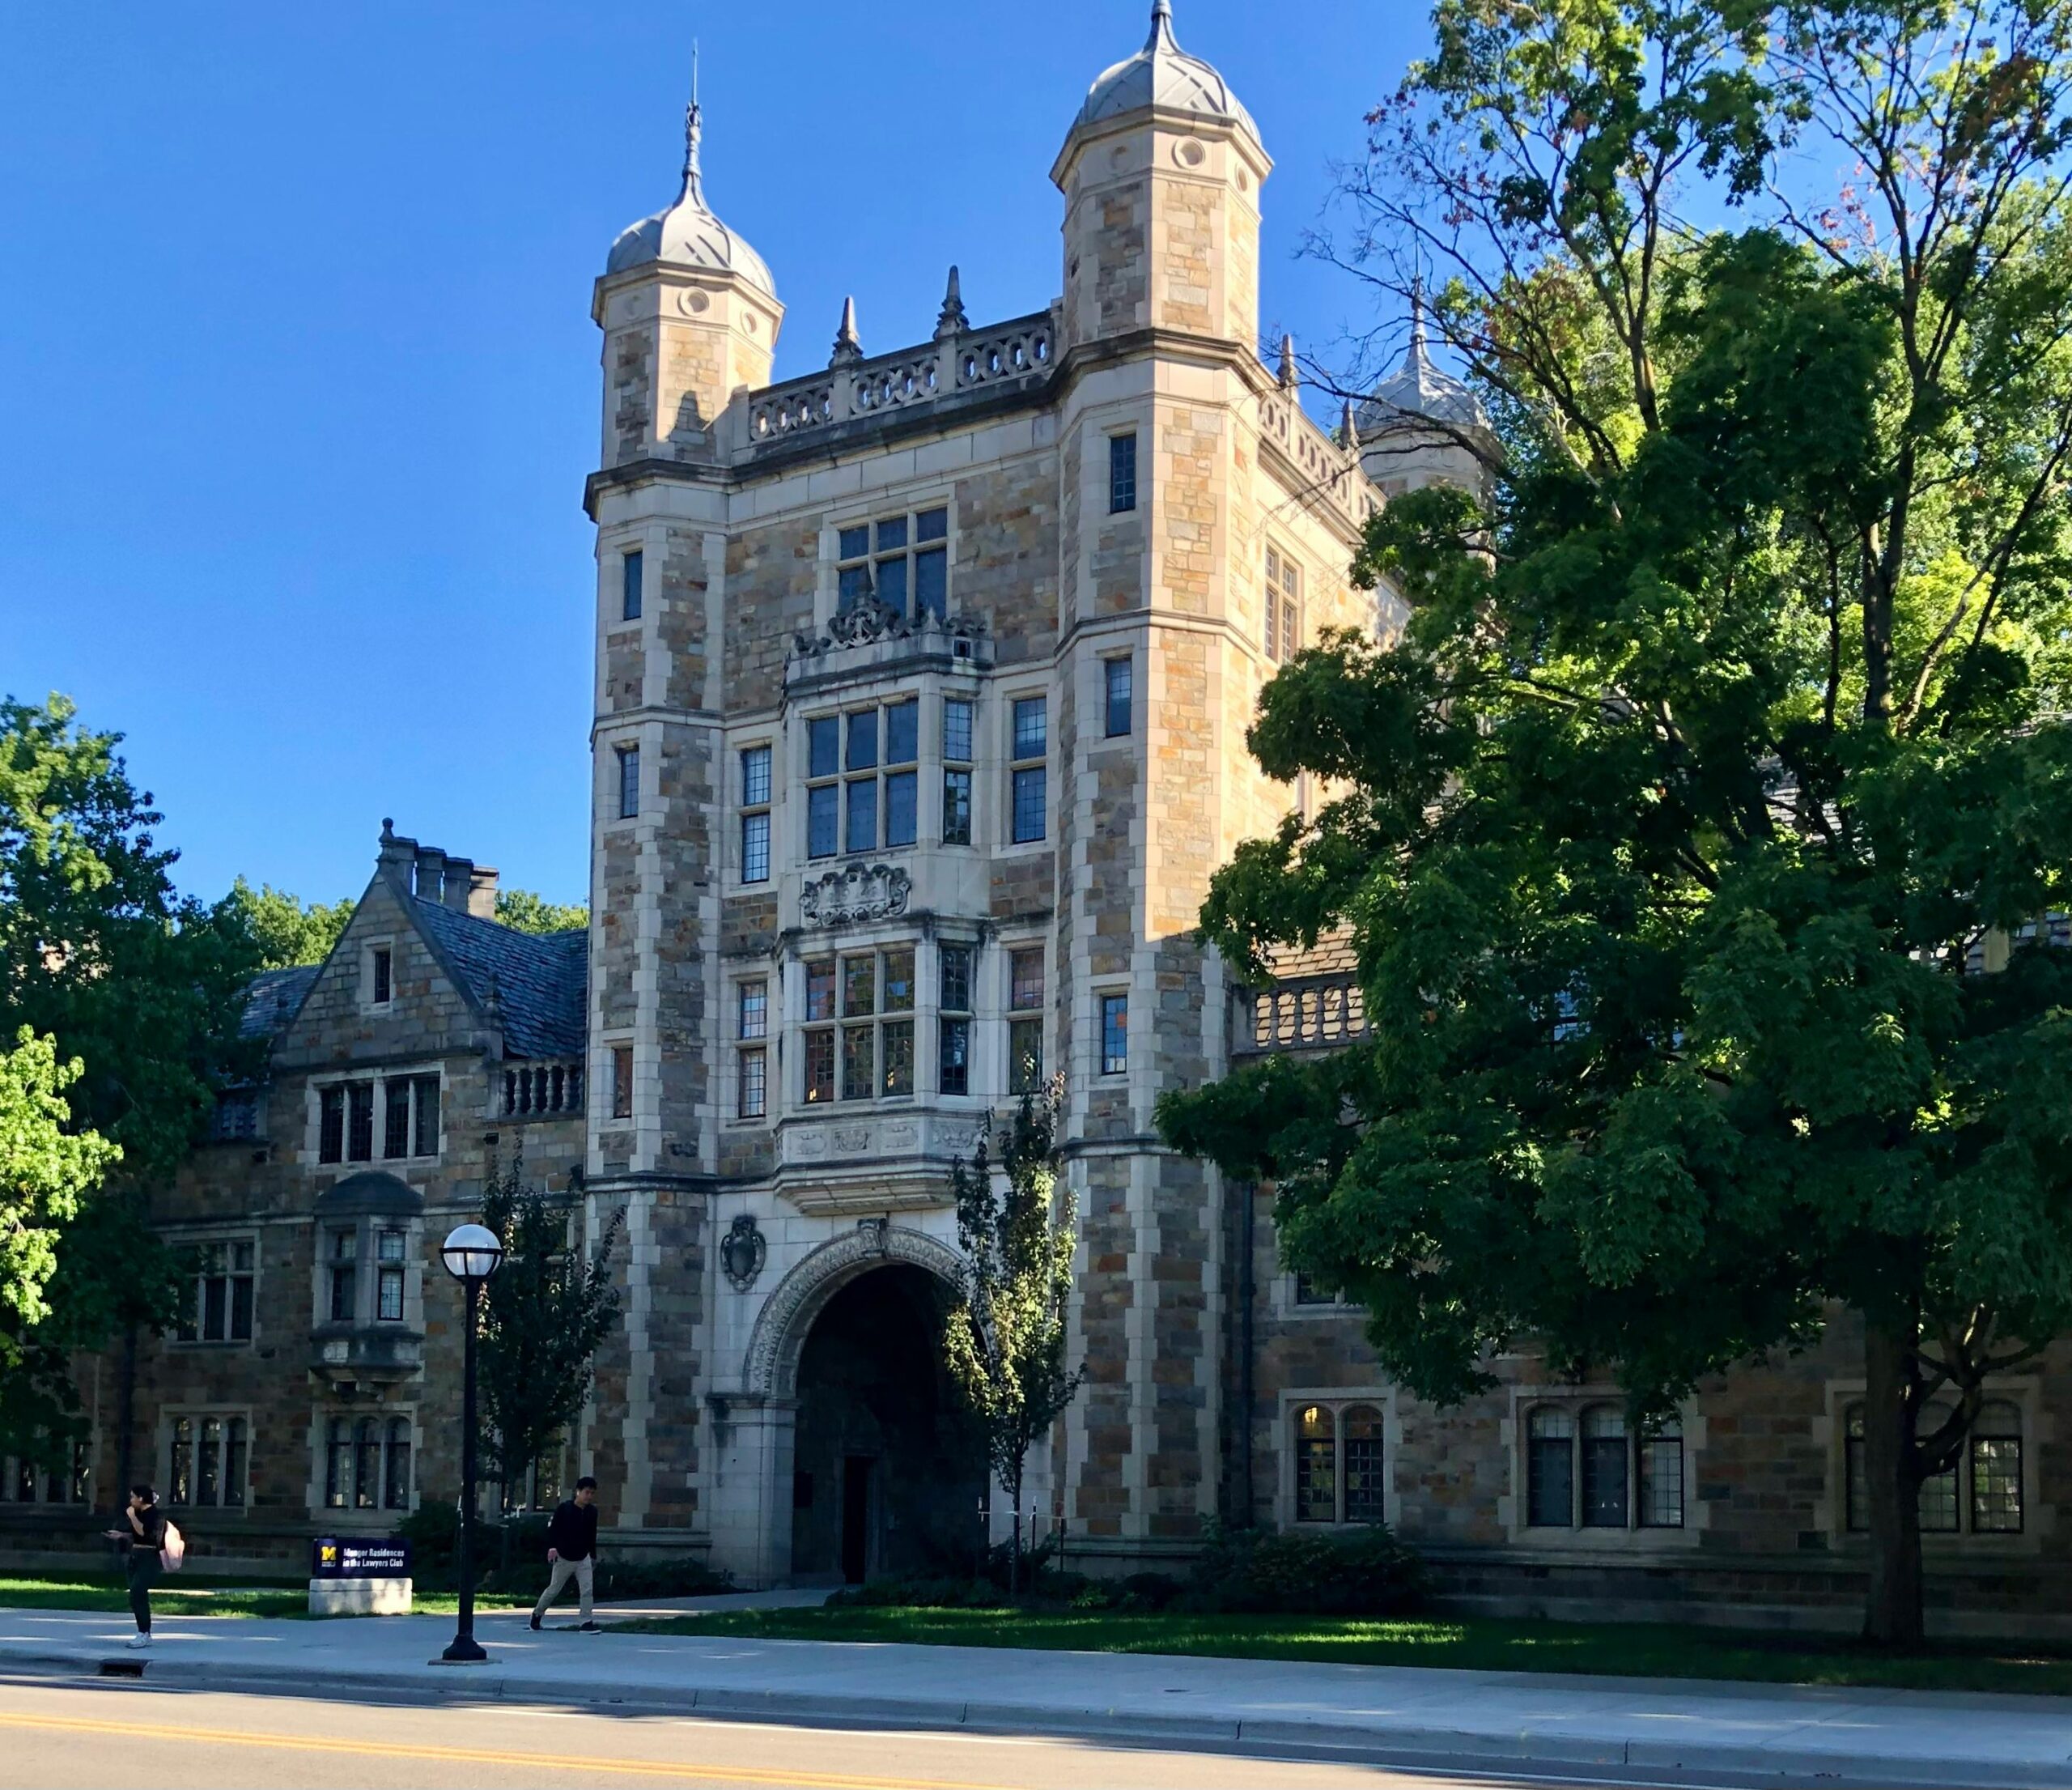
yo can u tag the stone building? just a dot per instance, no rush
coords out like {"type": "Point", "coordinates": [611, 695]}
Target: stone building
{"type": "Point", "coordinates": [921, 688]}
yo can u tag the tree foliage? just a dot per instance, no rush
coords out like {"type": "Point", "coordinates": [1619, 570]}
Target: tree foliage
{"type": "Point", "coordinates": [1005, 1339]}
{"type": "Point", "coordinates": [523, 912]}
{"type": "Point", "coordinates": [139, 986]}
{"type": "Point", "coordinates": [1723, 749]}
{"type": "Point", "coordinates": [288, 932]}
{"type": "Point", "coordinates": [545, 1312]}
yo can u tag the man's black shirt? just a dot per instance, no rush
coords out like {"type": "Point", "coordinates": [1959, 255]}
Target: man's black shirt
{"type": "Point", "coordinates": [572, 1532]}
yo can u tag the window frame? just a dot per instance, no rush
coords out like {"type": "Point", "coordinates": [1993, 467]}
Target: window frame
{"type": "Point", "coordinates": [757, 816]}
{"type": "Point", "coordinates": [1112, 1003]}
{"type": "Point", "coordinates": [343, 1441]}
{"type": "Point", "coordinates": [627, 764]}
{"type": "Point", "coordinates": [752, 1048]}
{"type": "Point", "coordinates": [1380, 1444]}
{"type": "Point", "coordinates": [1028, 768]}
{"type": "Point", "coordinates": [192, 1332]}
{"type": "Point", "coordinates": [956, 1021]}
{"type": "Point", "coordinates": [860, 576]}
{"type": "Point", "coordinates": [185, 1479]}
{"type": "Point", "coordinates": [619, 1082]}
{"type": "Point", "coordinates": [632, 583]}
{"type": "Point", "coordinates": [1025, 1016]}
{"type": "Point", "coordinates": [880, 775]}
{"type": "Point", "coordinates": [420, 1093]}
{"type": "Point", "coordinates": [1281, 606]}
{"type": "Point", "coordinates": [1126, 663]}
{"type": "Point", "coordinates": [959, 770]}
{"type": "Point", "coordinates": [1122, 472]}
{"type": "Point", "coordinates": [1960, 1476]}
{"type": "Point", "coordinates": [1641, 1471]}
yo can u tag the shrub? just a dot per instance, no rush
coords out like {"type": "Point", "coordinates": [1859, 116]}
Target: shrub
{"type": "Point", "coordinates": [1366, 1573]}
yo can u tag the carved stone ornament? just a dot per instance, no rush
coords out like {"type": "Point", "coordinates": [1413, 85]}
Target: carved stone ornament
{"type": "Point", "coordinates": [742, 1253]}
{"type": "Point", "coordinates": [869, 619]}
{"type": "Point", "coordinates": [843, 898]}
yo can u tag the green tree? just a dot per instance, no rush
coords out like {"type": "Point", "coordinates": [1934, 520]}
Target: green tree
{"type": "Point", "coordinates": [523, 912]}
{"type": "Point", "coordinates": [143, 987]}
{"type": "Point", "coordinates": [545, 1312]}
{"type": "Point", "coordinates": [1722, 750]}
{"type": "Point", "coordinates": [1005, 1339]}
{"type": "Point", "coordinates": [47, 1167]}
{"type": "Point", "coordinates": [288, 933]}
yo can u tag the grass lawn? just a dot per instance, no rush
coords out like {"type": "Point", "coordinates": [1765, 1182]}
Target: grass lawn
{"type": "Point", "coordinates": [191, 1594]}
{"type": "Point", "coordinates": [1621, 1650]}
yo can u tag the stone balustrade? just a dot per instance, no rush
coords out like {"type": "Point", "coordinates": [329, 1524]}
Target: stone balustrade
{"type": "Point", "coordinates": [1313, 1013]}
{"type": "Point", "coordinates": [1326, 469]}
{"type": "Point", "coordinates": [1020, 351]}
{"type": "Point", "coordinates": [542, 1091]}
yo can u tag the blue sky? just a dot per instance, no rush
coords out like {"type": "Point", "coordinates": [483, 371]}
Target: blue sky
{"type": "Point", "coordinates": [300, 385]}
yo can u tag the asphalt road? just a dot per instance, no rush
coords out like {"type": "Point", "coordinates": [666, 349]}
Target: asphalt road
{"type": "Point", "coordinates": [83, 1731]}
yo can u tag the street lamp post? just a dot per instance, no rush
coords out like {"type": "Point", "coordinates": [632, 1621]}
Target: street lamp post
{"type": "Point", "coordinates": [472, 1253]}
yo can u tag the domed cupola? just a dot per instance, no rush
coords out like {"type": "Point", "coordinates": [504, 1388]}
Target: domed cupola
{"type": "Point", "coordinates": [1411, 426]}
{"type": "Point", "coordinates": [1419, 390]}
{"type": "Point", "coordinates": [1162, 77]}
{"type": "Point", "coordinates": [687, 233]}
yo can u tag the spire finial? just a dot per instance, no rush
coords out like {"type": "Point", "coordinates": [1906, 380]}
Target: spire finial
{"type": "Point", "coordinates": [1290, 378]}
{"type": "Point", "coordinates": [951, 319]}
{"type": "Point", "coordinates": [1417, 314]}
{"type": "Point", "coordinates": [1161, 26]}
{"type": "Point", "coordinates": [1348, 429]}
{"type": "Point", "coordinates": [848, 345]}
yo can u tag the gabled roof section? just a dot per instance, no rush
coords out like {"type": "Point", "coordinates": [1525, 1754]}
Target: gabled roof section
{"type": "Point", "coordinates": [535, 982]}
{"type": "Point", "coordinates": [273, 997]}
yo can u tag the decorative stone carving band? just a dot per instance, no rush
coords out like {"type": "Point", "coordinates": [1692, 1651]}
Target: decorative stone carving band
{"type": "Point", "coordinates": [843, 898]}
{"type": "Point", "coordinates": [772, 1367]}
{"type": "Point", "coordinates": [869, 619]}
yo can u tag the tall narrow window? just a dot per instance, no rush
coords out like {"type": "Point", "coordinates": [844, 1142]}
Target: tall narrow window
{"type": "Point", "coordinates": [396, 1118]}
{"type": "Point", "coordinates": [181, 1482]}
{"type": "Point", "coordinates": [623, 1081]}
{"type": "Point", "coordinates": [344, 1270]}
{"type": "Point", "coordinates": [1604, 1467]}
{"type": "Point", "coordinates": [1995, 1452]}
{"type": "Point", "coordinates": [1024, 1035]}
{"type": "Point", "coordinates": [823, 791]}
{"type": "Point", "coordinates": [1364, 1485]}
{"type": "Point", "coordinates": [1122, 473]}
{"type": "Point", "coordinates": [331, 1125]}
{"type": "Point", "coordinates": [382, 974]}
{"type": "Point", "coordinates": [1282, 606]}
{"type": "Point", "coordinates": [208, 1464]}
{"type": "Point", "coordinates": [359, 1117]}
{"type": "Point", "coordinates": [367, 1464]}
{"type": "Point", "coordinates": [1550, 1468]}
{"type": "Point", "coordinates": [755, 814]}
{"type": "Point", "coordinates": [953, 1061]}
{"type": "Point", "coordinates": [819, 1085]}
{"type": "Point", "coordinates": [234, 1460]}
{"type": "Point", "coordinates": [425, 1088]}
{"type": "Point", "coordinates": [389, 1251]}
{"type": "Point", "coordinates": [859, 794]}
{"type": "Point", "coordinates": [629, 782]}
{"type": "Point", "coordinates": [1029, 789]}
{"type": "Point", "coordinates": [877, 1026]}
{"type": "Point", "coordinates": [1661, 1476]}
{"type": "Point", "coordinates": [221, 1310]}
{"type": "Point", "coordinates": [956, 770]}
{"type": "Point", "coordinates": [753, 1027]}
{"type": "Point", "coordinates": [1316, 1466]}
{"type": "Point", "coordinates": [338, 1463]}
{"type": "Point", "coordinates": [1939, 1503]}
{"type": "Point", "coordinates": [1116, 682]}
{"type": "Point", "coordinates": [1856, 1486]}
{"type": "Point", "coordinates": [902, 751]}
{"type": "Point", "coordinates": [397, 1481]}
{"type": "Point", "coordinates": [895, 982]}
{"type": "Point", "coordinates": [630, 570]}
{"type": "Point", "coordinates": [1114, 1034]}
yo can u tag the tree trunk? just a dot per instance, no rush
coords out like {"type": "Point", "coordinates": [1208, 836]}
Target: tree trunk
{"type": "Point", "coordinates": [125, 1420]}
{"type": "Point", "coordinates": [1892, 1609]}
{"type": "Point", "coordinates": [1014, 1550]}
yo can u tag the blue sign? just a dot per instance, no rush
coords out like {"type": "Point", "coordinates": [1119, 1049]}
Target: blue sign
{"type": "Point", "coordinates": [359, 1557]}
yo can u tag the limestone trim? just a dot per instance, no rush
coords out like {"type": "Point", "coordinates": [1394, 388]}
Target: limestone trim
{"type": "Point", "coordinates": [770, 1369]}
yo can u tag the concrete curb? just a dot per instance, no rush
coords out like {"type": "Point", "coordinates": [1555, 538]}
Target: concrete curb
{"type": "Point", "coordinates": [1409, 1745]}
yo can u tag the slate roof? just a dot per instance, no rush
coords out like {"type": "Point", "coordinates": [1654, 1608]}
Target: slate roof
{"type": "Point", "coordinates": [272, 998]}
{"type": "Point", "coordinates": [539, 980]}
{"type": "Point", "coordinates": [1333, 954]}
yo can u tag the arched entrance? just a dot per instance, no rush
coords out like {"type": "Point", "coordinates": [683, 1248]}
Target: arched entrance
{"type": "Point", "coordinates": [887, 1479]}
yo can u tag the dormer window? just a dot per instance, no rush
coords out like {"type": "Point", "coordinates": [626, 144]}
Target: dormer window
{"type": "Point", "coordinates": [902, 560]}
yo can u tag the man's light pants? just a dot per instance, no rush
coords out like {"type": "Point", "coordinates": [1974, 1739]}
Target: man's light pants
{"type": "Point", "coordinates": [583, 1571]}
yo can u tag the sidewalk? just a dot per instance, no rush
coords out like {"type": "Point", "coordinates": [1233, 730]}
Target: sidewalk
{"type": "Point", "coordinates": [1462, 1720]}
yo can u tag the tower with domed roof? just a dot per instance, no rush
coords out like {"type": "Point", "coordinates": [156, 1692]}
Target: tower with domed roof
{"type": "Point", "coordinates": [1421, 426]}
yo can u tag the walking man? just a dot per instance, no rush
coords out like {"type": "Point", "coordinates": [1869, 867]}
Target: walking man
{"type": "Point", "coordinates": [572, 1551]}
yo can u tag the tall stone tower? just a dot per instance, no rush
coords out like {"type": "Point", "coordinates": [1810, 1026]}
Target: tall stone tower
{"type": "Point", "coordinates": [690, 314]}
{"type": "Point", "coordinates": [1160, 173]}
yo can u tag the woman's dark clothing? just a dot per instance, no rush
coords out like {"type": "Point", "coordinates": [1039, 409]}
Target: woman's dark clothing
{"type": "Point", "coordinates": [144, 1563]}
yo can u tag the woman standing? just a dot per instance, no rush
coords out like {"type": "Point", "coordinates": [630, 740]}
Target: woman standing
{"type": "Point", "coordinates": [144, 1537]}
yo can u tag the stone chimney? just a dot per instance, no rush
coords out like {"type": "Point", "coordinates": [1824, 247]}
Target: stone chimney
{"type": "Point", "coordinates": [482, 891]}
{"type": "Point", "coordinates": [431, 874]}
{"type": "Point", "coordinates": [397, 857]}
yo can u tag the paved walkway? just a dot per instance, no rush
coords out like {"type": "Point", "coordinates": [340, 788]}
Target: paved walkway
{"type": "Point", "coordinates": [1462, 1720]}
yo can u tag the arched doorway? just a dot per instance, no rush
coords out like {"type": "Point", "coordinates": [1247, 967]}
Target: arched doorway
{"type": "Point", "coordinates": [887, 1477]}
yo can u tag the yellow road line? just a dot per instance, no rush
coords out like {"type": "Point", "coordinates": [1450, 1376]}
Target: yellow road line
{"type": "Point", "coordinates": [396, 1750]}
